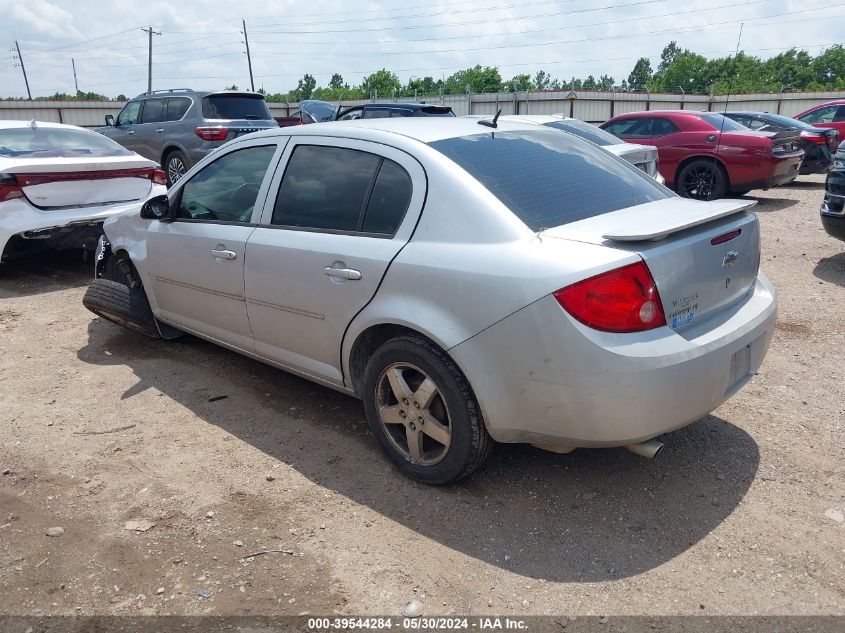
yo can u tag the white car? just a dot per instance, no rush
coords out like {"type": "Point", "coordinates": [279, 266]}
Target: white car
{"type": "Point", "coordinates": [59, 182]}
{"type": "Point", "coordinates": [469, 283]}
{"type": "Point", "coordinates": [642, 157]}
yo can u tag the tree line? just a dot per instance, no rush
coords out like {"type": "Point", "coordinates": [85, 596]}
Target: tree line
{"type": "Point", "coordinates": [680, 70]}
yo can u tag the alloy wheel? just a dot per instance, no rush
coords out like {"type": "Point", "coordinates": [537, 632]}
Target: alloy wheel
{"type": "Point", "coordinates": [413, 414]}
{"type": "Point", "coordinates": [175, 168]}
{"type": "Point", "coordinates": [698, 182]}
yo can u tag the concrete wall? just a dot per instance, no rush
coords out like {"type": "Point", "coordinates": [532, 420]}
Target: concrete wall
{"type": "Point", "coordinates": [594, 107]}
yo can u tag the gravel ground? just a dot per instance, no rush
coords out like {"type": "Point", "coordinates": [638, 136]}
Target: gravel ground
{"type": "Point", "coordinates": [740, 514]}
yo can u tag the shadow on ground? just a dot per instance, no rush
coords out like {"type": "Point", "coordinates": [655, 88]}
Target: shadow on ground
{"type": "Point", "coordinates": [588, 516]}
{"type": "Point", "coordinates": [831, 269]}
{"type": "Point", "coordinates": [771, 204]}
{"type": "Point", "coordinates": [45, 272]}
{"type": "Point", "coordinates": [804, 184]}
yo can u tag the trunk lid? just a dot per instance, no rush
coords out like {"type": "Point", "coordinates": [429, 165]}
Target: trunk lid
{"type": "Point", "coordinates": [51, 183]}
{"type": "Point", "coordinates": [643, 157]}
{"type": "Point", "coordinates": [703, 256]}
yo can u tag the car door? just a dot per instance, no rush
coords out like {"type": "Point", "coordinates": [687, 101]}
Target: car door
{"type": "Point", "coordinates": [123, 131]}
{"type": "Point", "coordinates": [337, 215]}
{"type": "Point", "coordinates": [196, 260]}
{"type": "Point", "coordinates": [149, 130]}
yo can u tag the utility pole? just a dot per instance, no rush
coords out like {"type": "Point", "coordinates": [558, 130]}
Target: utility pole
{"type": "Point", "coordinates": [149, 31]}
{"type": "Point", "coordinates": [75, 82]}
{"type": "Point", "coordinates": [23, 68]}
{"type": "Point", "coordinates": [248, 58]}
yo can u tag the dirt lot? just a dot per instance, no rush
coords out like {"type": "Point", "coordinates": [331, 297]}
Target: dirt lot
{"type": "Point", "coordinates": [740, 514]}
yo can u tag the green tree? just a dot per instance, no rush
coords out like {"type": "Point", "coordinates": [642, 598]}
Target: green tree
{"type": "Point", "coordinates": [478, 79]}
{"type": "Point", "coordinates": [232, 87]}
{"type": "Point", "coordinates": [382, 83]}
{"type": "Point", "coordinates": [336, 82]}
{"type": "Point", "coordinates": [605, 82]}
{"type": "Point", "coordinates": [670, 54]}
{"type": "Point", "coordinates": [519, 83]}
{"type": "Point", "coordinates": [542, 80]}
{"type": "Point", "coordinates": [304, 88]}
{"type": "Point", "coordinates": [590, 83]}
{"type": "Point", "coordinates": [829, 67]}
{"type": "Point", "coordinates": [640, 75]}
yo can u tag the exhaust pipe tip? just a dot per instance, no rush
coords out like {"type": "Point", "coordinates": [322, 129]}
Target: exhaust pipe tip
{"type": "Point", "coordinates": [649, 448]}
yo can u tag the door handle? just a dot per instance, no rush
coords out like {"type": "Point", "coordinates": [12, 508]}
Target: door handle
{"type": "Point", "coordinates": [161, 129]}
{"type": "Point", "coordinates": [222, 253]}
{"type": "Point", "coordinates": [130, 132]}
{"type": "Point", "coordinates": [343, 273]}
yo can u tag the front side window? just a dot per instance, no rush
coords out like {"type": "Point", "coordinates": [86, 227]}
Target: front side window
{"type": "Point", "coordinates": [153, 111]}
{"type": "Point", "coordinates": [226, 190]}
{"type": "Point", "coordinates": [820, 115]}
{"type": "Point", "coordinates": [351, 115]}
{"type": "Point", "coordinates": [339, 189]}
{"type": "Point", "coordinates": [547, 178]}
{"type": "Point", "coordinates": [129, 114]}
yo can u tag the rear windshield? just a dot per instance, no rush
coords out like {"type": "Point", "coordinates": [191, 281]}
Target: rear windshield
{"type": "Point", "coordinates": [435, 111]}
{"type": "Point", "coordinates": [235, 107]}
{"type": "Point", "coordinates": [585, 130]}
{"type": "Point", "coordinates": [547, 178]}
{"type": "Point", "coordinates": [53, 142]}
{"type": "Point", "coordinates": [319, 110]}
{"type": "Point", "coordinates": [778, 120]}
{"type": "Point", "coordinates": [721, 122]}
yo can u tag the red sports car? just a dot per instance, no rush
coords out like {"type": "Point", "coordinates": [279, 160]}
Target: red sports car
{"type": "Point", "coordinates": [705, 155]}
{"type": "Point", "coordinates": [830, 114]}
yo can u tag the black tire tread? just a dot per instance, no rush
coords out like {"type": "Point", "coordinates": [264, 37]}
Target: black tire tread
{"type": "Point", "coordinates": [481, 443]}
{"type": "Point", "coordinates": [120, 304]}
{"type": "Point", "coordinates": [726, 184]}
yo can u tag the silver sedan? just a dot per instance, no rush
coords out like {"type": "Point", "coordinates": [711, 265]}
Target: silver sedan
{"type": "Point", "coordinates": [470, 281]}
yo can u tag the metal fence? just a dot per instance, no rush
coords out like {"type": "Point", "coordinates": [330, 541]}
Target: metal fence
{"type": "Point", "coordinates": [594, 107]}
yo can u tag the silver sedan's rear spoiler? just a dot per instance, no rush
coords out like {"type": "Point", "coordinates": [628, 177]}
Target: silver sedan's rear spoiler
{"type": "Point", "coordinates": [655, 221]}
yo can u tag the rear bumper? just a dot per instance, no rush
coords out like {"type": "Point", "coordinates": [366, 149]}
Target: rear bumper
{"type": "Point", "coordinates": [771, 173]}
{"type": "Point", "coordinates": [19, 217]}
{"type": "Point", "coordinates": [541, 377]}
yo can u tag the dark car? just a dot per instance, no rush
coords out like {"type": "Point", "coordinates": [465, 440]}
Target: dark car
{"type": "Point", "coordinates": [833, 206]}
{"type": "Point", "coordinates": [818, 144]}
{"type": "Point", "coordinates": [389, 110]}
{"type": "Point", "coordinates": [705, 155]}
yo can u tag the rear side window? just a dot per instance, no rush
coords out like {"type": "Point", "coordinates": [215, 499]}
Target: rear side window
{"type": "Point", "coordinates": [662, 127]}
{"type": "Point", "coordinates": [344, 190]}
{"type": "Point", "coordinates": [370, 113]}
{"type": "Point", "coordinates": [547, 178]}
{"type": "Point", "coordinates": [631, 128]}
{"type": "Point", "coordinates": [154, 111]}
{"type": "Point", "coordinates": [585, 130]}
{"type": "Point", "coordinates": [389, 200]}
{"type": "Point", "coordinates": [235, 107]}
{"type": "Point", "coordinates": [721, 122]}
{"type": "Point", "coordinates": [177, 107]}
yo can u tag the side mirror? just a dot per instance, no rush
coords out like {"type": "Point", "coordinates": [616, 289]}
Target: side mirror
{"type": "Point", "coordinates": [157, 208]}
{"type": "Point", "coordinates": [110, 120]}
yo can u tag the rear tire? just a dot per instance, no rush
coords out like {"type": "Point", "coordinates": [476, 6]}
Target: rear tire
{"type": "Point", "coordinates": [449, 438]}
{"type": "Point", "coordinates": [120, 304]}
{"type": "Point", "coordinates": [175, 165]}
{"type": "Point", "coordinates": [702, 179]}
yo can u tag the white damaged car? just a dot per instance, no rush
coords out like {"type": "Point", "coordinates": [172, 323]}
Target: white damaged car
{"type": "Point", "coordinates": [58, 183]}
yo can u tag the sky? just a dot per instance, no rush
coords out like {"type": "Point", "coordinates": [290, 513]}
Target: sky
{"type": "Point", "coordinates": [201, 41]}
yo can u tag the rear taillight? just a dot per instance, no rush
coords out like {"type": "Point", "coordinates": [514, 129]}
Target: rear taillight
{"type": "Point", "coordinates": [621, 300]}
{"type": "Point", "coordinates": [159, 177]}
{"type": "Point", "coordinates": [212, 133]}
{"type": "Point", "coordinates": [10, 189]}
{"type": "Point", "coordinates": [814, 138]}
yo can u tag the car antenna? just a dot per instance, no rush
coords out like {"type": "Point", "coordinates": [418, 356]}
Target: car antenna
{"type": "Point", "coordinates": [724, 113]}
{"type": "Point", "coordinates": [493, 123]}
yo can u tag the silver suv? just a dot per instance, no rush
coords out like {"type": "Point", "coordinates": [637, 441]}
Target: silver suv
{"type": "Point", "coordinates": [178, 127]}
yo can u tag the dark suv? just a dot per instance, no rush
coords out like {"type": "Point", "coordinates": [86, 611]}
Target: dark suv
{"type": "Point", "coordinates": [833, 205]}
{"type": "Point", "coordinates": [179, 127]}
